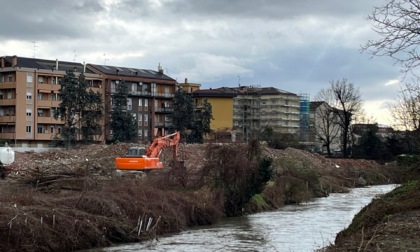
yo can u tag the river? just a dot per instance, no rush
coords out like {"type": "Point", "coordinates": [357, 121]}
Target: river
{"type": "Point", "coordinates": [304, 227]}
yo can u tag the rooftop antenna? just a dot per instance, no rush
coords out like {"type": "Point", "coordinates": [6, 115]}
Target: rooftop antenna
{"type": "Point", "coordinates": [105, 59]}
{"type": "Point", "coordinates": [239, 80]}
{"type": "Point", "coordinates": [74, 51]}
{"type": "Point", "coordinates": [35, 46]}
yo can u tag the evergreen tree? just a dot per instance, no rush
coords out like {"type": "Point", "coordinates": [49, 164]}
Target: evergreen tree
{"type": "Point", "coordinates": [183, 115]}
{"type": "Point", "coordinates": [68, 106]}
{"type": "Point", "coordinates": [92, 115]}
{"type": "Point", "coordinates": [80, 109]}
{"type": "Point", "coordinates": [201, 124]}
{"type": "Point", "coordinates": [123, 124]}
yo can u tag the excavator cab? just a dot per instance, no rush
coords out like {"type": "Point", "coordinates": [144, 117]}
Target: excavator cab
{"type": "Point", "coordinates": [136, 151]}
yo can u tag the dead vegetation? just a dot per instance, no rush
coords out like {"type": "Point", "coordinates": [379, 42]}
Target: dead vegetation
{"type": "Point", "coordinates": [74, 199]}
{"type": "Point", "coordinates": [389, 223]}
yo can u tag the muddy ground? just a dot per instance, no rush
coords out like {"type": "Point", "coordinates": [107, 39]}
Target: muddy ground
{"type": "Point", "coordinates": [75, 199]}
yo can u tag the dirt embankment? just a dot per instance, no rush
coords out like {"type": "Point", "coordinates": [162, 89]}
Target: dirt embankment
{"type": "Point", "coordinates": [389, 223]}
{"type": "Point", "coordinates": [74, 199]}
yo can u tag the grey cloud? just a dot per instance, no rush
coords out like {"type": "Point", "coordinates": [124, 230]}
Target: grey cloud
{"type": "Point", "coordinates": [46, 19]}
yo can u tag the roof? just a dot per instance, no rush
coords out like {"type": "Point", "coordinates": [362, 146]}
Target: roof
{"type": "Point", "coordinates": [132, 72]}
{"type": "Point", "coordinates": [260, 90]}
{"type": "Point", "coordinates": [315, 104]}
{"type": "Point", "coordinates": [213, 93]}
{"type": "Point", "coordinates": [43, 64]}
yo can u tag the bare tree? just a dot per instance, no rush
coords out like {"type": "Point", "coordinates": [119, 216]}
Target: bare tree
{"type": "Point", "coordinates": [324, 126]}
{"type": "Point", "coordinates": [397, 23]}
{"type": "Point", "coordinates": [345, 98]}
{"type": "Point", "coordinates": [406, 112]}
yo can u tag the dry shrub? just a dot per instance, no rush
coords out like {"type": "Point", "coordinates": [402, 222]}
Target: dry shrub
{"type": "Point", "coordinates": [98, 215]}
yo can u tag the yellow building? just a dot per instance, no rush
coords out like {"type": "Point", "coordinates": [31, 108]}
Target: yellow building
{"type": "Point", "coordinates": [221, 101]}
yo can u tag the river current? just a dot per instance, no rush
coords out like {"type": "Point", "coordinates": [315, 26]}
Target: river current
{"type": "Point", "coordinates": [304, 227]}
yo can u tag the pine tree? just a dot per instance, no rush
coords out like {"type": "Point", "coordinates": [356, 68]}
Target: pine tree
{"type": "Point", "coordinates": [80, 109]}
{"type": "Point", "coordinates": [123, 124]}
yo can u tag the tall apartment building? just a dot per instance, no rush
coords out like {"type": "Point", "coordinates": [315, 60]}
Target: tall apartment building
{"type": "Point", "coordinates": [29, 95]}
{"type": "Point", "coordinates": [150, 98]}
{"type": "Point", "coordinates": [256, 108]}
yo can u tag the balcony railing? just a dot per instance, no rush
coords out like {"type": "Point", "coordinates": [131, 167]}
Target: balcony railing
{"type": "Point", "coordinates": [7, 119]}
{"type": "Point", "coordinates": [7, 102]}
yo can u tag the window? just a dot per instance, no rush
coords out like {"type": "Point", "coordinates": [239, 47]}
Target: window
{"type": "Point", "coordinates": [140, 104]}
{"type": "Point", "coordinates": [10, 78]}
{"type": "Point", "coordinates": [146, 119]}
{"type": "Point", "coordinates": [40, 112]}
{"type": "Point", "coordinates": [52, 129]}
{"type": "Point", "coordinates": [129, 103]}
{"type": "Point", "coordinates": [28, 129]}
{"type": "Point", "coordinates": [153, 88]}
{"type": "Point", "coordinates": [113, 86]}
{"type": "Point", "coordinates": [54, 111]}
{"type": "Point", "coordinates": [28, 96]}
{"type": "Point", "coordinates": [1, 94]}
{"type": "Point", "coordinates": [134, 115]}
{"type": "Point", "coordinates": [140, 133]}
{"type": "Point", "coordinates": [29, 112]}
{"type": "Point", "coordinates": [146, 102]}
{"type": "Point", "coordinates": [40, 130]}
{"type": "Point", "coordinates": [11, 112]}
{"type": "Point", "coordinates": [29, 78]}
{"type": "Point", "coordinates": [146, 133]}
{"type": "Point", "coordinates": [59, 130]}
{"type": "Point", "coordinates": [54, 80]}
{"type": "Point", "coordinates": [40, 96]}
{"type": "Point", "coordinates": [1, 78]}
{"type": "Point", "coordinates": [40, 79]}
{"type": "Point", "coordinates": [140, 117]}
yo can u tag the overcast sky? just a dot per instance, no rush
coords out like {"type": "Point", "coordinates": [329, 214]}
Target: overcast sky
{"type": "Point", "coordinates": [297, 46]}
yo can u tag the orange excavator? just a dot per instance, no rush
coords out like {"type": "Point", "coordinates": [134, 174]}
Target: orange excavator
{"type": "Point", "coordinates": [140, 159]}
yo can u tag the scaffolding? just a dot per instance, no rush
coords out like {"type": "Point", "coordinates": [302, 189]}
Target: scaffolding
{"type": "Point", "coordinates": [304, 117]}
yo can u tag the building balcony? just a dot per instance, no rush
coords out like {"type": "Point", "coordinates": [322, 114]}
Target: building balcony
{"type": "Point", "coordinates": [7, 135]}
{"type": "Point", "coordinates": [164, 110]}
{"type": "Point", "coordinates": [7, 85]}
{"type": "Point", "coordinates": [7, 102]}
{"type": "Point", "coordinates": [44, 136]}
{"type": "Point", "coordinates": [7, 119]}
{"type": "Point", "coordinates": [50, 87]}
{"type": "Point", "coordinates": [49, 120]}
{"type": "Point", "coordinates": [48, 103]}
{"type": "Point", "coordinates": [96, 89]}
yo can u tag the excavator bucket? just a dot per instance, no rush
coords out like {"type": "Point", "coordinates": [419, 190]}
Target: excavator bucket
{"type": "Point", "coordinates": [137, 163]}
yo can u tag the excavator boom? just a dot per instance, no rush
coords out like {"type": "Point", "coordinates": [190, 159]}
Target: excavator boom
{"type": "Point", "coordinates": [140, 159]}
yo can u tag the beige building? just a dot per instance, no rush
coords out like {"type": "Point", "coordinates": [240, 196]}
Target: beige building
{"type": "Point", "coordinates": [29, 94]}
{"type": "Point", "coordinates": [256, 108]}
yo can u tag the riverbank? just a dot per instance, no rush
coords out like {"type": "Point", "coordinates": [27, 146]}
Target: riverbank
{"type": "Point", "coordinates": [389, 223]}
{"type": "Point", "coordinates": [74, 199]}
